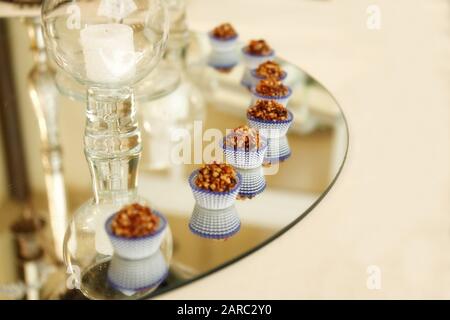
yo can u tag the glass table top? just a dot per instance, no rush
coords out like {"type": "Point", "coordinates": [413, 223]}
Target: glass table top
{"type": "Point", "coordinates": [307, 162]}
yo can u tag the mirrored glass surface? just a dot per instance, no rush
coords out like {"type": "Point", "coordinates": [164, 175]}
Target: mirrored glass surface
{"type": "Point", "coordinates": [185, 123]}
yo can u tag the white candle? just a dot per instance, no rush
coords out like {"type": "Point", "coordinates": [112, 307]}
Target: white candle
{"type": "Point", "coordinates": [109, 53]}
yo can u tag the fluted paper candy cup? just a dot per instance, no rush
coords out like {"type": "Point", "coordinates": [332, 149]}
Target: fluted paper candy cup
{"type": "Point", "coordinates": [223, 60]}
{"type": "Point", "coordinates": [131, 276]}
{"type": "Point", "coordinates": [245, 158]}
{"type": "Point", "coordinates": [221, 45]}
{"type": "Point", "coordinates": [253, 182]}
{"type": "Point", "coordinates": [271, 129]}
{"type": "Point", "coordinates": [214, 200]}
{"type": "Point", "coordinates": [214, 224]}
{"type": "Point", "coordinates": [278, 150]}
{"type": "Point", "coordinates": [138, 247]}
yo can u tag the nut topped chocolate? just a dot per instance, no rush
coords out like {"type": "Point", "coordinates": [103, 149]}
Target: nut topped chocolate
{"type": "Point", "coordinates": [244, 138]}
{"type": "Point", "coordinates": [258, 48]}
{"type": "Point", "coordinates": [134, 221]}
{"type": "Point", "coordinates": [268, 110]}
{"type": "Point", "coordinates": [271, 88]}
{"type": "Point", "coordinates": [270, 70]}
{"type": "Point", "coordinates": [224, 31]}
{"type": "Point", "coordinates": [216, 177]}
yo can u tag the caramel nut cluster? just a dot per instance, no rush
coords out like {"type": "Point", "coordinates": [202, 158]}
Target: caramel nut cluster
{"type": "Point", "coordinates": [271, 88]}
{"type": "Point", "coordinates": [244, 137]}
{"type": "Point", "coordinates": [224, 31]}
{"type": "Point", "coordinates": [269, 70]}
{"type": "Point", "coordinates": [258, 47]}
{"type": "Point", "coordinates": [134, 221]}
{"type": "Point", "coordinates": [216, 177]}
{"type": "Point", "coordinates": [268, 110]}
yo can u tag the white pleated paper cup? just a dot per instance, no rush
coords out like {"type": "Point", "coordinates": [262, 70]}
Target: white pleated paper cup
{"type": "Point", "coordinates": [253, 182]}
{"type": "Point", "coordinates": [242, 158]}
{"type": "Point", "coordinates": [137, 275]}
{"type": "Point", "coordinates": [138, 247]}
{"type": "Point", "coordinates": [214, 200]}
{"type": "Point", "coordinates": [252, 61]}
{"type": "Point", "coordinates": [223, 60]}
{"type": "Point", "coordinates": [221, 45]}
{"type": "Point", "coordinates": [255, 78]}
{"type": "Point", "coordinates": [281, 100]}
{"type": "Point", "coordinates": [278, 150]}
{"type": "Point", "coordinates": [271, 129]}
{"type": "Point", "coordinates": [214, 224]}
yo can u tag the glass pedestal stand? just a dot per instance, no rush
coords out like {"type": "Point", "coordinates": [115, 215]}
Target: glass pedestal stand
{"type": "Point", "coordinates": [112, 147]}
{"type": "Point", "coordinates": [109, 46]}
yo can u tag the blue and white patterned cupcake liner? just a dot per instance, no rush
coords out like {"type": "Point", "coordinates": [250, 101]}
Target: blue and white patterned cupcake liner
{"type": "Point", "coordinates": [131, 276]}
{"type": "Point", "coordinates": [253, 182]}
{"type": "Point", "coordinates": [139, 247]}
{"type": "Point", "coordinates": [271, 129]}
{"type": "Point", "coordinates": [223, 60]}
{"type": "Point", "coordinates": [255, 78]}
{"type": "Point", "coordinates": [223, 45]}
{"type": "Point", "coordinates": [245, 159]}
{"type": "Point", "coordinates": [278, 150]}
{"type": "Point", "coordinates": [214, 200]}
{"type": "Point", "coordinates": [281, 100]}
{"type": "Point", "coordinates": [214, 224]}
{"type": "Point", "coordinates": [251, 62]}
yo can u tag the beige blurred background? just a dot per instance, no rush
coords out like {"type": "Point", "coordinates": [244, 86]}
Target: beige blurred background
{"type": "Point", "coordinates": [390, 208]}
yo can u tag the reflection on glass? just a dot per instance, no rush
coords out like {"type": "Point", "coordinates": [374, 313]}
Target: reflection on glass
{"type": "Point", "coordinates": [219, 224]}
{"type": "Point", "coordinates": [253, 182]}
{"type": "Point", "coordinates": [169, 100]}
{"type": "Point", "coordinates": [223, 61]}
{"type": "Point", "coordinates": [44, 97]}
{"type": "Point", "coordinates": [278, 150]}
{"type": "Point", "coordinates": [137, 277]}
